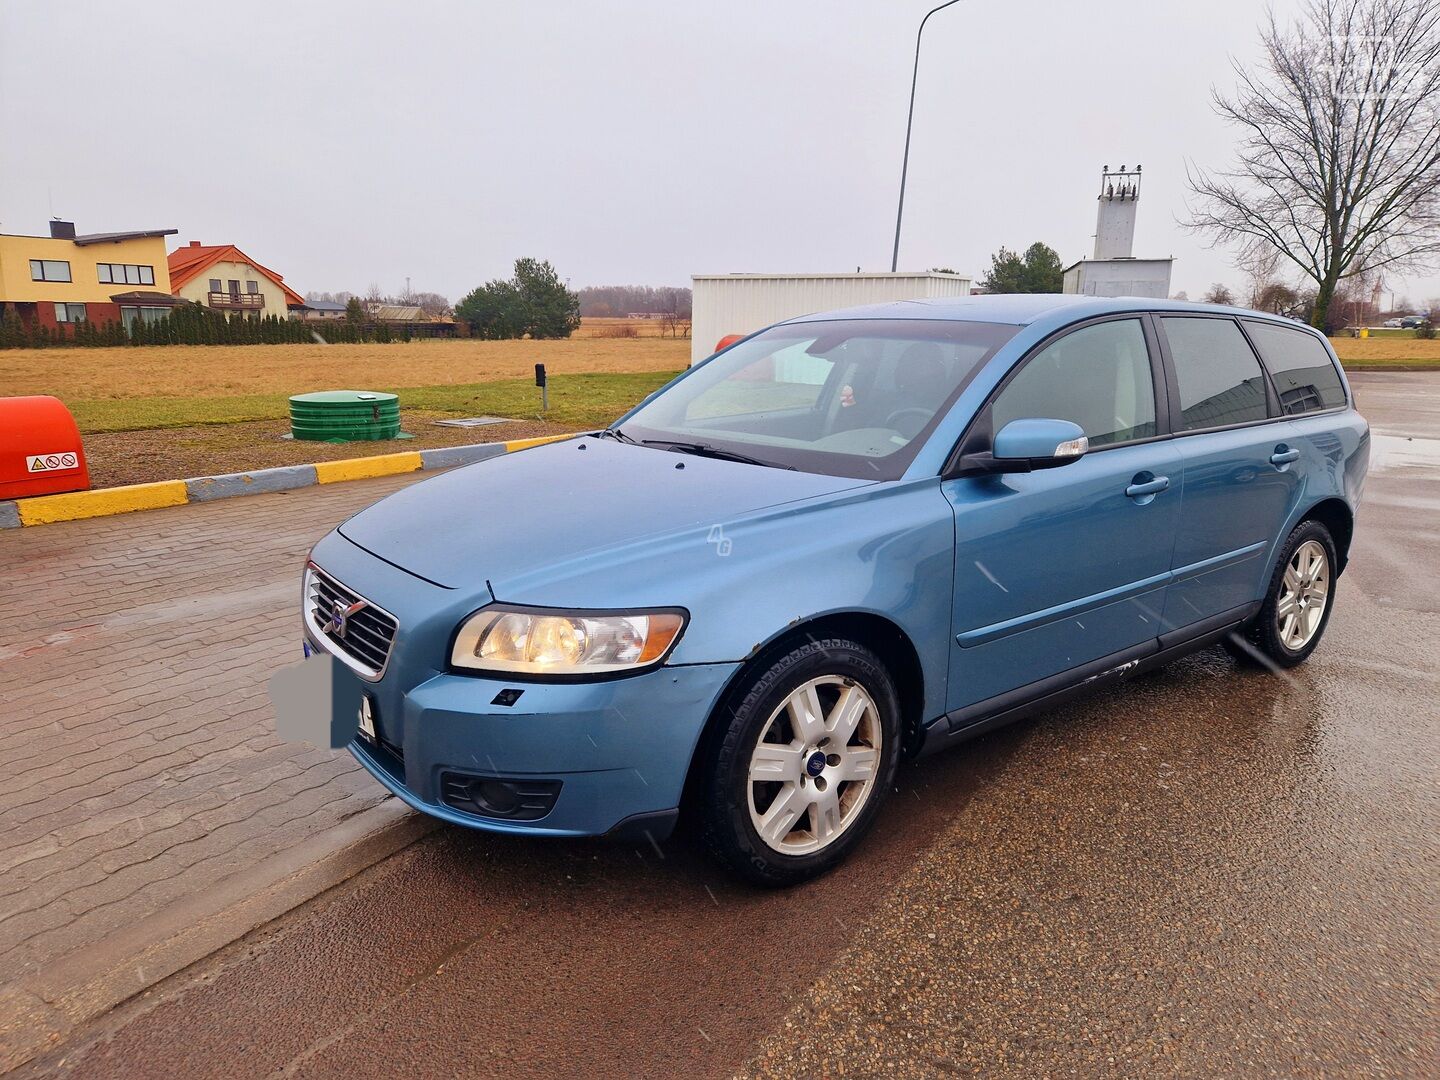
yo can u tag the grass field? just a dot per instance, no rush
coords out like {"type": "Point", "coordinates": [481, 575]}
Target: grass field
{"type": "Point", "coordinates": [235, 370]}
{"type": "Point", "coordinates": [174, 386]}
{"type": "Point", "coordinates": [621, 328]}
{"type": "Point", "coordinates": [1383, 352]}
{"type": "Point", "coordinates": [160, 412]}
{"type": "Point", "coordinates": [583, 400]}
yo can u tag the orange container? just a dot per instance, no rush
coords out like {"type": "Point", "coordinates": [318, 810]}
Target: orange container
{"type": "Point", "coordinates": [40, 450]}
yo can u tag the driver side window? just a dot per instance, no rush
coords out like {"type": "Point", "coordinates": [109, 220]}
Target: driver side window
{"type": "Point", "coordinates": [1098, 377]}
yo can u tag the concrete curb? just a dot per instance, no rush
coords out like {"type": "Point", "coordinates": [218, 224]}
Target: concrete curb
{"type": "Point", "coordinates": [43, 1010]}
{"type": "Point", "coordinates": [45, 509]}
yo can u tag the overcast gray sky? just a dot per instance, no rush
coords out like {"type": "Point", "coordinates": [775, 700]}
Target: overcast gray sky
{"type": "Point", "coordinates": [633, 141]}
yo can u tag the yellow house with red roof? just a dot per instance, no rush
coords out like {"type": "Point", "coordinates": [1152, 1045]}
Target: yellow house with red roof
{"type": "Point", "coordinates": [222, 277]}
{"type": "Point", "coordinates": [63, 279]}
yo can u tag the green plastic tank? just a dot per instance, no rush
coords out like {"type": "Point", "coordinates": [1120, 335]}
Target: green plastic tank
{"type": "Point", "coordinates": [345, 416]}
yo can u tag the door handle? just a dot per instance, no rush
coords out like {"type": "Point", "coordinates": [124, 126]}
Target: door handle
{"type": "Point", "coordinates": [1148, 487]}
{"type": "Point", "coordinates": [1284, 455]}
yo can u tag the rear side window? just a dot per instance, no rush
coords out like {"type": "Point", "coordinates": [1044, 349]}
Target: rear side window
{"type": "Point", "coordinates": [1301, 368]}
{"type": "Point", "coordinates": [1220, 380]}
{"type": "Point", "coordinates": [1097, 377]}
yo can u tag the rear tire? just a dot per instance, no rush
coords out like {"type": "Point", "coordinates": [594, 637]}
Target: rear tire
{"type": "Point", "coordinates": [796, 777]}
{"type": "Point", "coordinates": [1297, 603]}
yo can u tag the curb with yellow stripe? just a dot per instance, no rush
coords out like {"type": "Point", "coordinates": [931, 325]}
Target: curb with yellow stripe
{"type": "Point", "coordinates": [45, 509]}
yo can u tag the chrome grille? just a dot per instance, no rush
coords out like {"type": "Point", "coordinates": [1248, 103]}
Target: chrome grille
{"type": "Point", "coordinates": [369, 631]}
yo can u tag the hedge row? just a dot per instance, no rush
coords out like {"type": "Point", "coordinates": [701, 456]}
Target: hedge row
{"type": "Point", "coordinates": [191, 325]}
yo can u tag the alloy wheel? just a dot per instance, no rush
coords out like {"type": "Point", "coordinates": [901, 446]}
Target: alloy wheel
{"type": "Point", "coordinates": [813, 768]}
{"type": "Point", "coordinates": [1304, 588]}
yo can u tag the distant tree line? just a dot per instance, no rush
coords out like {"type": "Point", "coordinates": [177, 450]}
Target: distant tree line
{"type": "Point", "coordinates": [617, 301]}
{"type": "Point", "coordinates": [432, 303]}
{"type": "Point", "coordinates": [533, 303]}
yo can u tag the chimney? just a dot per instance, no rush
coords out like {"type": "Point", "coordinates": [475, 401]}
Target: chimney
{"type": "Point", "coordinates": [62, 230]}
{"type": "Point", "coordinates": [194, 243]}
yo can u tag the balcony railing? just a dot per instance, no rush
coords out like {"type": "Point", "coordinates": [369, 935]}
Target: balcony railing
{"type": "Point", "coordinates": [229, 301]}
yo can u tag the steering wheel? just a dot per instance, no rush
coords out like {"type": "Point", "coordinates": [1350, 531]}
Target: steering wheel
{"type": "Point", "coordinates": [895, 418]}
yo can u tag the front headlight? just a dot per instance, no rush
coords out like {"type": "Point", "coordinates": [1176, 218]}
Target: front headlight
{"type": "Point", "coordinates": [530, 641]}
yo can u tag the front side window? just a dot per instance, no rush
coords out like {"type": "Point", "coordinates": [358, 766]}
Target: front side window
{"type": "Point", "coordinates": [849, 397]}
{"type": "Point", "coordinates": [69, 313]}
{"type": "Point", "coordinates": [1300, 366]}
{"type": "Point", "coordinates": [1220, 380]}
{"type": "Point", "coordinates": [1098, 377]}
{"type": "Point", "coordinates": [49, 270]}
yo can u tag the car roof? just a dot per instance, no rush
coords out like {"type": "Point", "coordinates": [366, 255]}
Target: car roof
{"type": "Point", "coordinates": [1022, 309]}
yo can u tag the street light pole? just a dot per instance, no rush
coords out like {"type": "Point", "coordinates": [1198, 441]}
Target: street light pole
{"type": "Point", "coordinates": [909, 121]}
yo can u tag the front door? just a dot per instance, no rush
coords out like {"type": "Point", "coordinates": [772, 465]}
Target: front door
{"type": "Point", "coordinates": [1066, 567]}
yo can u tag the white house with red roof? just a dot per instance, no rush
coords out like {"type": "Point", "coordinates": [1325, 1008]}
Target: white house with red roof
{"type": "Point", "coordinates": [223, 277]}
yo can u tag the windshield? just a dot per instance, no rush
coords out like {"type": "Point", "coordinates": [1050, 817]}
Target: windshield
{"type": "Point", "coordinates": [848, 397]}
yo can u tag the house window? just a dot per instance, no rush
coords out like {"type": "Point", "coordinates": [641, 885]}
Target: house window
{"type": "Point", "coordinates": [147, 315]}
{"type": "Point", "coordinates": [234, 287]}
{"type": "Point", "coordinates": [252, 286]}
{"type": "Point", "coordinates": [124, 274]}
{"type": "Point", "coordinates": [69, 313]}
{"type": "Point", "coordinates": [214, 284]}
{"type": "Point", "coordinates": [49, 270]}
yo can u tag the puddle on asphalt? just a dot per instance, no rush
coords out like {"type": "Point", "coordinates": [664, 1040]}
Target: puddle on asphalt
{"type": "Point", "coordinates": [1391, 452]}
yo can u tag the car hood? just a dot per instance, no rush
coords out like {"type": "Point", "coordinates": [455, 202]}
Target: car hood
{"type": "Point", "coordinates": [509, 516]}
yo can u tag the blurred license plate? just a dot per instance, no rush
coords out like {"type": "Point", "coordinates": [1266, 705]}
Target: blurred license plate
{"type": "Point", "coordinates": [367, 717]}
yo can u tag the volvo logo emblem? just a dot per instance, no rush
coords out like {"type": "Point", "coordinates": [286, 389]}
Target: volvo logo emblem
{"type": "Point", "coordinates": [340, 613]}
{"type": "Point", "coordinates": [816, 765]}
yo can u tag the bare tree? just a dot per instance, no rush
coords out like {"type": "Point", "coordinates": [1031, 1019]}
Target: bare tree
{"type": "Point", "coordinates": [1261, 266]}
{"type": "Point", "coordinates": [432, 303]}
{"type": "Point", "coordinates": [1279, 299]}
{"type": "Point", "coordinates": [1218, 294]}
{"type": "Point", "coordinates": [1339, 163]}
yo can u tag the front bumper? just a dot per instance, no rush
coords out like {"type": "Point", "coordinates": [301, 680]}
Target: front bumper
{"type": "Point", "coordinates": [620, 748]}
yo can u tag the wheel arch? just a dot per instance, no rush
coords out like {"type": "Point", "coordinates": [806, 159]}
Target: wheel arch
{"type": "Point", "coordinates": [1335, 514]}
{"type": "Point", "coordinates": [881, 635]}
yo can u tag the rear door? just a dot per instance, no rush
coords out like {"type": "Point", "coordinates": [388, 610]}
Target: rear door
{"type": "Point", "coordinates": [1239, 457]}
{"type": "Point", "coordinates": [1066, 567]}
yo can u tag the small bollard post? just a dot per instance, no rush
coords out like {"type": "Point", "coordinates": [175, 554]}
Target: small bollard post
{"type": "Point", "coordinates": [540, 381]}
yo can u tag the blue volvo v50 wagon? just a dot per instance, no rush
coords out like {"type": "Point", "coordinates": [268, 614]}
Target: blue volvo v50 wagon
{"type": "Point", "coordinates": [846, 540]}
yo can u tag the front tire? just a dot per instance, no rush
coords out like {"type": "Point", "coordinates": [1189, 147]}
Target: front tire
{"type": "Point", "coordinates": [798, 774]}
{"type": "Point", "coordinates": [1297, 603]}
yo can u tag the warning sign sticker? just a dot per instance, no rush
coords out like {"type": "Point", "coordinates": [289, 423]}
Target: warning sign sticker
{"type": "Point", "coordinates": [44, 463]}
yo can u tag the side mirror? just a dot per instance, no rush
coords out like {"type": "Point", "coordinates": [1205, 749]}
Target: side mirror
{"type": "Point", "coordinates": [1023, 445]}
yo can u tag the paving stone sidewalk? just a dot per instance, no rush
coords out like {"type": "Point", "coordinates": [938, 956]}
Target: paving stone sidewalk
{"type": "Point", "coordinates": [138, 756]}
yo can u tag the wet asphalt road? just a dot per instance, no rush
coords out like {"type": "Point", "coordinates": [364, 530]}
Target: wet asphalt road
{"type": "Point", "coordinates": [1205, 871]}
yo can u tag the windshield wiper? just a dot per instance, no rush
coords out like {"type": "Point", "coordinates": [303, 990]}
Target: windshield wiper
{"type": "Point", "coordinates": [614, 433]}
{"type": "Point", "coordinates": [706, 450]}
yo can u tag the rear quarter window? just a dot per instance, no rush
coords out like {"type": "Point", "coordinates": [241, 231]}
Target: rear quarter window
{"type": "Point", "coordinates": [1300, 366]}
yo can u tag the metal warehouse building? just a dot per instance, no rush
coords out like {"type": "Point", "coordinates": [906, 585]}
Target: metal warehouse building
{"type": "Point", "coordinates": [742, 303]}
